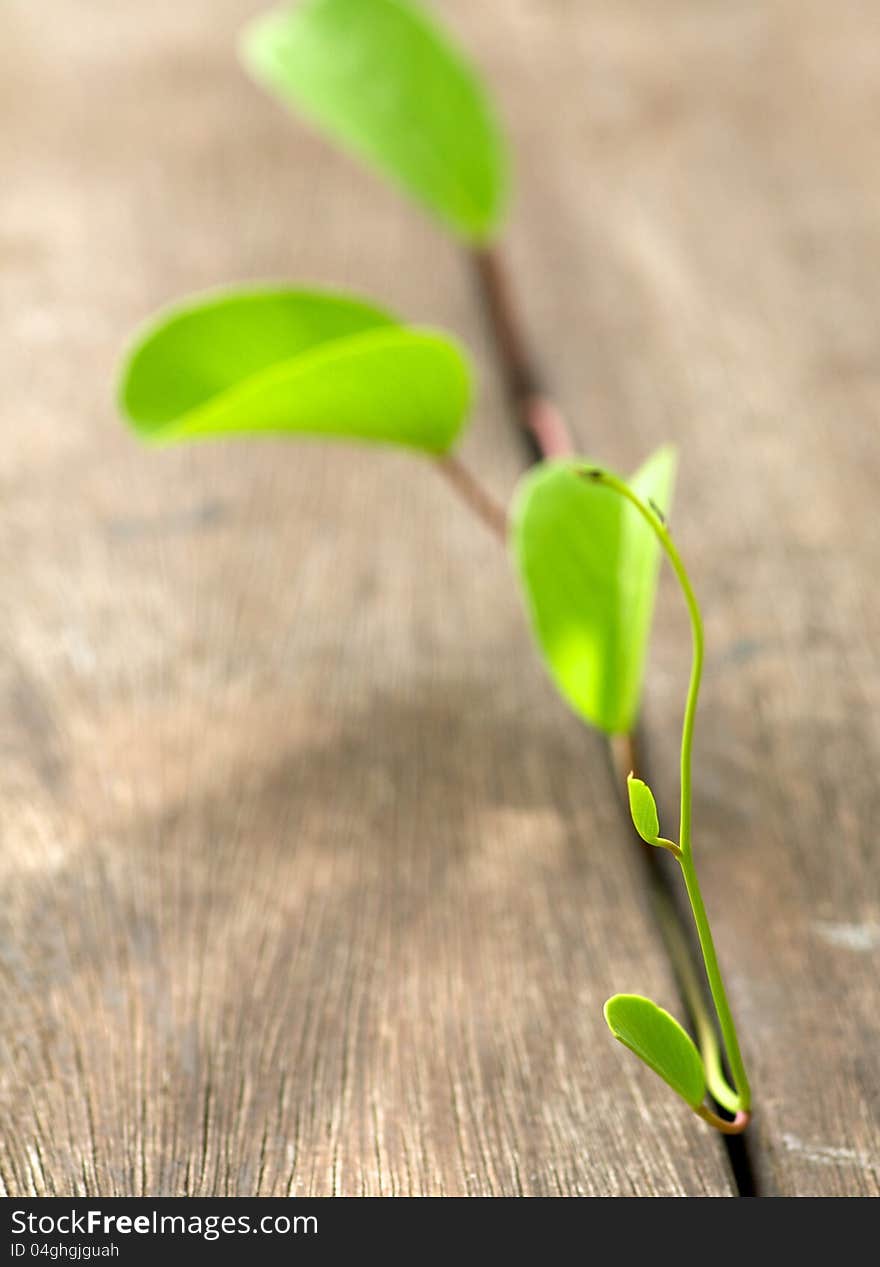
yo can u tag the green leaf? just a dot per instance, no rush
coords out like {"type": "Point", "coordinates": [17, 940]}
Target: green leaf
{"type": "Point", "coordinates": [643, 808]}
{"type": "Point", "coordinates": [658, 1040]}
{"type": "Point", "coordinates": [588, 564]}
{"type": "Point", "coordinates": [381, 78]}
{"type": "Point", "coordinates": [275, 360]}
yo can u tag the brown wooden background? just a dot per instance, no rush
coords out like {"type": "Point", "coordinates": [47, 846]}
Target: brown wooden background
{"type": "Point", "coordinates": [310, 884]}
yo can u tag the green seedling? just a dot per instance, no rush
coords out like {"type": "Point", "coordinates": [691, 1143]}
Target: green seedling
{"type": "Point", "coordinates": [383, 80]}
{"type": "Point", "coordinates": [637, 1022]}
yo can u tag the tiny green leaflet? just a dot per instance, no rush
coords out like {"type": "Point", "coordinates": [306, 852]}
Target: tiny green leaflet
{"type": "Point", "coordinates": [270, 359]}
{"type": "Point", "coordinates": [384, 80]}
{"type": "Point", "coordinates": [643, 809]}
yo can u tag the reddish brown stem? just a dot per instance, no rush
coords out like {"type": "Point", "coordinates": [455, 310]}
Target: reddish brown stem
{"type": "Point", "coordinates": [472, 493]}
{"type": "Point", "coordinates": [736, 1127]}
{"type": "Point", "coordinates": [542, 424]}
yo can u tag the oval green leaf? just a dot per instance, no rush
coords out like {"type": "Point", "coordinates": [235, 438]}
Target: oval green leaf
{"type": "Point", "coordinates": [382, 79]}
{"type": "Point", "coordinates": [658, 1040]}
{"type": "Point", "coordinates": [588, 565]}
{"type": "Point", "coordinates": [275, 360]}
{"type": "Point", "coordinates": [643, 808]}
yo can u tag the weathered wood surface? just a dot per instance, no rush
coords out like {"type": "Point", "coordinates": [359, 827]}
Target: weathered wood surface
{"type": "Point", "coordinates": [309, 882]}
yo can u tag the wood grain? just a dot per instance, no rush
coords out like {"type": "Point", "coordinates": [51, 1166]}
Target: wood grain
{"type": "Point", "coordinates": [310, 884]}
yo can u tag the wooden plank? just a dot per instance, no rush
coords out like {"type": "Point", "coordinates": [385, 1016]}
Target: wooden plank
{"type": "Point", "coordinates": [697, 246]}
{"type": "Point", "coordinates": [310, 884]}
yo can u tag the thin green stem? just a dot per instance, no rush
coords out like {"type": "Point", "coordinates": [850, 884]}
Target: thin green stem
{"type": "Point", "coordinates": [692, 989]}
{"type": "Point", "coordinates": [707, 945]}
{"type": "Point", "coordinates": [716, 983]}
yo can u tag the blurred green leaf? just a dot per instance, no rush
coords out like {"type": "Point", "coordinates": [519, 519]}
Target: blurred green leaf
{"type": "Point", "coordinates": [274, 360]}
{"type": "Point", "coordinates": [381, 78]}
{"type": "Point", "coordinates": [658, 1040]}
{"type": "Point", "coordinates": [588, 563]}
{"type": "Point", "coordinates": [643, 808]}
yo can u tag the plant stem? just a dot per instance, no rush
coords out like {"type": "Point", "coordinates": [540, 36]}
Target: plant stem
{"type": "Point", "coordinates": [692, 989]}
{"type": "Point", "coordinates": [540, 420]}
{"type": "Point", "coordinates": [716, 985]}
{"type": "Point", "coordinates": [736, 1127]}
{"type": "Point", "coordinates": [686, 862]}
{"type": "Point", "coordinates": [474, 495]}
